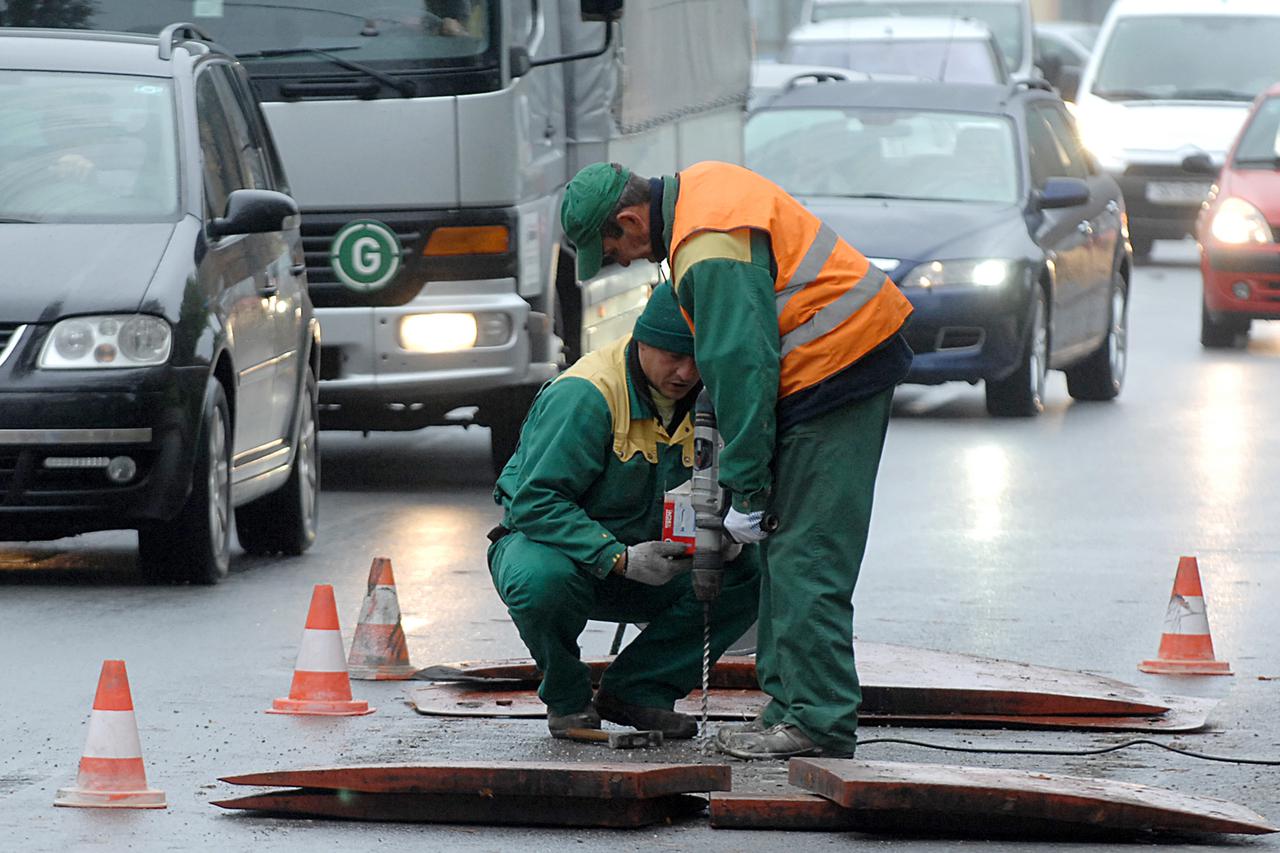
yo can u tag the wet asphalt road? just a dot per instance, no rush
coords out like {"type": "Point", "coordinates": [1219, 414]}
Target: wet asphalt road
{"type": "Point", "coordinates": [1052, 541]}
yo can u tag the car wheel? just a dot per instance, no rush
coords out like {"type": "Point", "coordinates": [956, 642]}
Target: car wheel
{"type": "Point", "coordinates": [284, 522]}
{"type": "Point", "coordinates": [195, 547]}
{"type": "Point", "coordinates": [1021, 393]}
{"type": "Point", "coordinates": [1100, 375]}
{"type": "Point", "coordinates": [1142, 247]}
{"type": "Point", "coordinates": [1217, 332]}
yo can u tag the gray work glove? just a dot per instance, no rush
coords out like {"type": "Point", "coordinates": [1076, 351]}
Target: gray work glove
{"type": "Point", "coordinates": [654, 563]}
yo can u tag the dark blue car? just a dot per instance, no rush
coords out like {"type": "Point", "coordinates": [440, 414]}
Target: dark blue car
{"type": "Point", "coordinates": [981, 204]}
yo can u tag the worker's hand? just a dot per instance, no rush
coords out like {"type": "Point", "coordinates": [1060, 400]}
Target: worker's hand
{"type": "Point", "coordinates": [729, 550]}
{"type": "Point", "coordinates": [655, 563]}
{"type": "Point", "coordinates": [745, 527]}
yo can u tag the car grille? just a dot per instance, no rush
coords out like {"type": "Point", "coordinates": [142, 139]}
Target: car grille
{"type": "Point", "coordinates": [318, 231]}
{"type": "Point", "coordinates": [9, 334]}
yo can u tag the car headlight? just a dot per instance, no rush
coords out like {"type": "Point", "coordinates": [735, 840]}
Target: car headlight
{"type": "Point", "coordinates": [1100, 124]}
{"type": "Point", "coordinates": [1237, 222]}
{"type": "Point", "coordinates": [128, 340]}
{"type": "Point", "coordinates": [983, 272]}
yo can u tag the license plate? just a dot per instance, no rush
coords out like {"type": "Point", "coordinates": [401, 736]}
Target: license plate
{"type": "Point", "coordinates": [1176, 192]}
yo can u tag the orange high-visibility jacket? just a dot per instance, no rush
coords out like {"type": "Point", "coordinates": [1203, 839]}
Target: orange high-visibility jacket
{"type": "Point", "coordinates": [833, 306]}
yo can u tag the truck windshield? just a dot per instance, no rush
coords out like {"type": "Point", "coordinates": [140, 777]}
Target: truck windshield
{"type": "Point", "coordinates": [86, 148]}
{"type": "Point", "coordinates": [957, 61]}
{"type": "Point", "coordinates": [390, 35]}
{"type": "Point", "coordinates": [1003, 19]}
{"type": "Point", "coordinates": [1189, 57]}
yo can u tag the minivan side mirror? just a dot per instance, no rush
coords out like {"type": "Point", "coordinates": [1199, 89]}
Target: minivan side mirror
{"type": "Point", "coordinates": [1062, 192]}
{"type": "Point", "coordinates": [253, 212]}
{"type": "Point", "coordinates": [600, 10]}
{"type": "Point", "coordinates": [1199, 164]}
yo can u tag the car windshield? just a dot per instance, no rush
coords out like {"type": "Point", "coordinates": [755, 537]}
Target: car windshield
{"type": "Point", "coordinates": [388, 34]}
{"type": "Point", "coordinates": [1189, 57]}
{"type": "Point", "coordinates": [1260, 142]}
{"type": "Point", "coordinates": [1003, 19]}
{"type": "Point", "coordinates": [959, 61]}
{"type": "Point", "coordinates": [885, 153]}
{"type": "Point", "coordinates": [86, 148]}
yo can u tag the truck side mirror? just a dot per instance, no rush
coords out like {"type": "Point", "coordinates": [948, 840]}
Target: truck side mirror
{"type": "Point", "coordinates": [601, 10]}
{"type": "Point", "coordinates": [1068, 82]}
{"type": "Point", "coordinates": [1199, 164]}
{"type": "Point", "coordinates": [519, 60]}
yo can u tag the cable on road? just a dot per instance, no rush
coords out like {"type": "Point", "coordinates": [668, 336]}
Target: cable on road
{"type": "Point", "coordinates": [1268, 762]}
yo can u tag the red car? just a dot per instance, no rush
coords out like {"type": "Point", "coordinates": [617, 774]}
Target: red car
{"type": "Point", "coordinates": [1237, 229]}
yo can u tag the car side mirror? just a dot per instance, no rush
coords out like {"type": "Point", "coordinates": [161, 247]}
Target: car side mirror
{"type": "Point", "coordinates": [1199, 164]}
{"type": "Point", "coordinates": [600, 10]}
{"type": "Point", "coordinates": [1068, 82]}
{"type": "Point", "coordinates": [1062, 192]}
{"type": "Point", "coordinates": [253, 212]}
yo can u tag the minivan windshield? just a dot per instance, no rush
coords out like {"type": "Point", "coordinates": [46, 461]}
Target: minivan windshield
{"type": "Point", "coordinates": [885, 153]}
{"type": "Point", "coordinates": [86, 148]}
{"type": "Point", "coordinates": [1259, 146]}
{"type": "Point", "coordinates": [1189, 57]}
{"type": "Point", "coordinates": [1005, 20]}
{"type": "Point", "coordinates": [955, 61]}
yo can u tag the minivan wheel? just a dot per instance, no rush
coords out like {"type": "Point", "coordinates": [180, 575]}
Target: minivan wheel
{"type": "Point", "coordinates": [284, 522]}
{"type": "Point", "coordinates": [1021, 393]}
{"type": "Point", "coordinates": [1100, 376]}
{"type": "Point", "coordinates": [195, 547]}
{"type": "Point", "coordinates": [1218, 332]}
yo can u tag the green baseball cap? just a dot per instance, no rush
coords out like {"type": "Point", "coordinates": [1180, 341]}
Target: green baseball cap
{"type": "Point", "coordinates": [588, 200]}
{"type": "Point", "coordinates": [662, 324]}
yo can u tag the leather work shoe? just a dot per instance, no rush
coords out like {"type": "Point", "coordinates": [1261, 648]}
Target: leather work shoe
{"type": "Point", "coordinates": [781, 741]}
{"type": "Point", "coordinates": [755, 724]}
{"type": "Point", "coordinates": [587, 718]}
{"type": "Point", "coordinates": [672, 724]}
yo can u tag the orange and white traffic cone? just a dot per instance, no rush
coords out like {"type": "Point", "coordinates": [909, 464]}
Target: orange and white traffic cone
{"type": "Point", "coordinates": [111, 774]}
{"type": "Point", "coordinates": [320, 684]}
{"type": "Point", "coordinates": [1186, 647]}
{"type": "Point", "coordinates": [378, 650]}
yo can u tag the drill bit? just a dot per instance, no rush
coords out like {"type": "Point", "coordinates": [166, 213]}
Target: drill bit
{"type": "Point", "coordinates": [706, 662]}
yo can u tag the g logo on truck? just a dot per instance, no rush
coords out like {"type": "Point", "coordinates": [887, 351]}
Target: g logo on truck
{"type": "Point", "coordinates": [365, 255]}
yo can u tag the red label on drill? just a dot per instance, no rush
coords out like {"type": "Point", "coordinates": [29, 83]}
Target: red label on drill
{"type": "Point", "coordinates": [677, 517]}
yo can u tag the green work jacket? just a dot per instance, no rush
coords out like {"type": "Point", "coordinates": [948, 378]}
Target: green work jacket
{"type": "Point", "coordinates": [593, 463]}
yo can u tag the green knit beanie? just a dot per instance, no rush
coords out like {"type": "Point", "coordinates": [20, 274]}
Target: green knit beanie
{"type": "Point", "coordinates": [662, 325]}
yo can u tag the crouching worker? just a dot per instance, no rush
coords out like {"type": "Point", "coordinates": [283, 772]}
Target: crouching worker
{"type": "Point", "coordinates": [580, 536]}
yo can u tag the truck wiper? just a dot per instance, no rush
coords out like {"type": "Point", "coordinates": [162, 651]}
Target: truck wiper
{"type": "Point", "coordinates": [1127, 94]}
{"type": "Point", "coordinates": [1210, 95]}
{"type": "Point", "coordinates": [406, 88]}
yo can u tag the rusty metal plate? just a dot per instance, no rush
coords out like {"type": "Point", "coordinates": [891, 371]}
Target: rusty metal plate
{"type": "Point", "coordinates": [902, 680]}
{"type": "Point", "coordinates": [528, 779]}
{"type": "Point", "coordinates": [779, 811]}
{"type": "Point", "coordinates": [997, 796]}
{"type": "Point", "coordinates": [1185, 714]}
{"type": "Point", "coordinates": [471, 808]}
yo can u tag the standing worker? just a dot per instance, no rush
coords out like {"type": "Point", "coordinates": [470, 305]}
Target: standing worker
{"type": "Point", "coordinates": [580, 536]}
{"type": "Point", "coordinates": [797, 339]}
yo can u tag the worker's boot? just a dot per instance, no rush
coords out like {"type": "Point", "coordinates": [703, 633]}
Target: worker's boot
{"type": "Point", "coordinates": [672, 724]}
{"type": "Point", "coordinates": [559, 724]}
{"type": "Point", "coordinates": [781, 741]}
{"type": "Point", "coordinates": [755, 724]}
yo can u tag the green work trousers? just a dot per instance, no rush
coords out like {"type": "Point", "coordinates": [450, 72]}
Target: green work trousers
{"type": "Point", "coordinates": [550, 600]}
{"type": "Point", "coordinates": [824, 481]}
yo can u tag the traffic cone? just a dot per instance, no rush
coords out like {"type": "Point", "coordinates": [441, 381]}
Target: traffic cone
{"type": "Point", "coordinates": [378, 650]}
{"type": "Point", "coordinates": [111, 774]}
{"type": "Point", "coordinates": [1186, 647]}
{"type": "Point", "coordinates": [320, 684]}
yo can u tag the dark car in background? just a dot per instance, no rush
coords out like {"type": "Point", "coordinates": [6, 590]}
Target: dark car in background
{"type": "Point", "coordinates": [158, 350]}
{"type": "Point", "coordinates": [1237, 229]}
{"type": "Point", "coordinates": [980, 203]}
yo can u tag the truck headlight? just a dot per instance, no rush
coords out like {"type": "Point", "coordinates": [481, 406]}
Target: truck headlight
{"type": "Point", "coordinates": [1101, 127]}
{"type": "Point", "coordinates": [982, 272]}
{"type": "Point", "coordinates": [448, 332]}
{"type": "Point", "coordinates": [129, 340]}
{"type": "Point", "coordinates": [1237, 222]}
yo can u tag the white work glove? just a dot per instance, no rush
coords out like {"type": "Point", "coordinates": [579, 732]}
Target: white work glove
{"type": "Point", "coordinates": [654, 563]}
{"type": "Point", "coordinates": [745, 527]}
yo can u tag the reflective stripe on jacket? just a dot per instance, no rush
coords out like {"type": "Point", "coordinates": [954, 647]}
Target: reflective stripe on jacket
{"type": "Point", "coordinates": [833, 306]}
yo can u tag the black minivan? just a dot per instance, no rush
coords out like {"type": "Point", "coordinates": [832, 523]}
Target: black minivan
{"type": "Point", "coordinates": [158, 350]}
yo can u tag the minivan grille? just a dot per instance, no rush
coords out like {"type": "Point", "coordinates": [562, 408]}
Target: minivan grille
{"type": "Point", "coordinates": [9, 334]}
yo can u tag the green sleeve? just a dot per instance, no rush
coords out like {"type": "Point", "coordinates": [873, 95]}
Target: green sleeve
{"type": "Point", "coordinates": [564, 447]}
{"type": "Point", "coordinates": [736, 343]}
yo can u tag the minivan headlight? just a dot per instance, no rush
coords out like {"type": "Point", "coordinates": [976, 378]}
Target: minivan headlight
{"type": "Point", "coordinates": [1236, 222]}
{"type": "Point", "coordinates": [128, 340]}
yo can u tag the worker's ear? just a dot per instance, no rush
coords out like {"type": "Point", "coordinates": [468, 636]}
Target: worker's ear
{"type": "Point", "coordinates": [633, 218]}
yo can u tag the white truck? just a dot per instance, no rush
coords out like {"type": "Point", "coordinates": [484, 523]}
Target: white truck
{"type": "Point", "coordinates": [428, 143]}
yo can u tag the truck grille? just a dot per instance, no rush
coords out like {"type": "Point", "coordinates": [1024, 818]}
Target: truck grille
{"type": "Point", "coordinates": [318, 230]}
